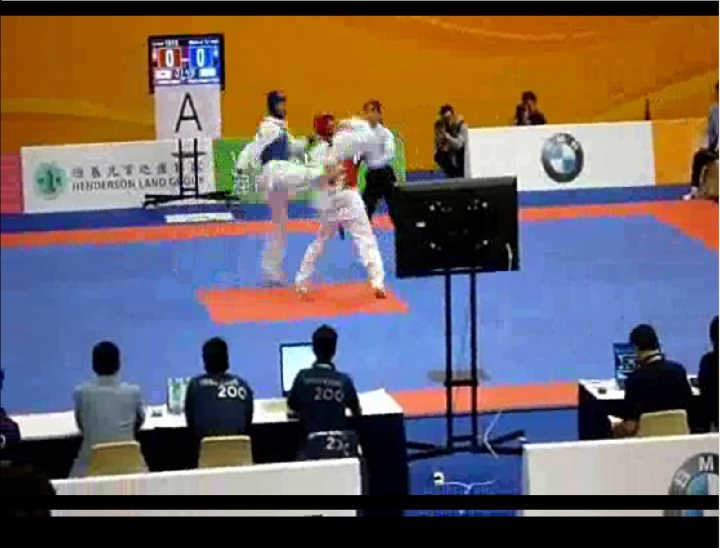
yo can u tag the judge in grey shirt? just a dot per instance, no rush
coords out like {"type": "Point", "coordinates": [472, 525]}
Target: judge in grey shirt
{"type": "Point", "coordinates": [106, 409]}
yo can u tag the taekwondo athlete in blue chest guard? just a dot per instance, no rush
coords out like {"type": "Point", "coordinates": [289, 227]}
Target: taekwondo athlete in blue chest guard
{"type": "Point", "coordinates": [279, 157]}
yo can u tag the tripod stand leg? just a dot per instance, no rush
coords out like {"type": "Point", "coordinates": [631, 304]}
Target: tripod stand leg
{"type": "Point", "coordinates": [448, 362]}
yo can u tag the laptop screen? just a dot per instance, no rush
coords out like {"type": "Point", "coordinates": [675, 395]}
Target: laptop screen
{"type": "Point", "coordinates": [624, 362]}
{"type": "Point", "coordinates": [293, 358]}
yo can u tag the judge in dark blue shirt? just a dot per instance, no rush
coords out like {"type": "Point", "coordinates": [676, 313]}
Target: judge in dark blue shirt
{"type": "Point", "coordinates": [320, 396]}
{"type": "Point", "coordinates": [657, 384]}
{"type": "Point", "coordinates": [218, 403]}
{"type": "Point", "coordinates": [708, 383]}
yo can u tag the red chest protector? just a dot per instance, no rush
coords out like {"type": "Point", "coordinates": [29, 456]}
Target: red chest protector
{"type": "Point", "coordinates": [350, 169]}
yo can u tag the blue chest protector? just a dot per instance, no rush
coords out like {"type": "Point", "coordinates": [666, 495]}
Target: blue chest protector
{"type": "Point", "coordinates": [279, 149]}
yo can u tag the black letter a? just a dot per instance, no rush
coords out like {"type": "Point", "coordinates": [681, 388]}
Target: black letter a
{"type": "Point", "coordinates": [187, 100]}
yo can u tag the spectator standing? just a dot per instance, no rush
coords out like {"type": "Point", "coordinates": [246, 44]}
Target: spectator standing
{"type": "Point", "coordinates": [527, 113]}
{"type": "Point", "coordinates": [106, 409]}
{"type": "Point", "coordinates": [218, 403]}
{"type": "Point", "coordinates": [657, 384]}
{"type": "Point", "coordinates": [450, 136]}
{"type": "Point", "coordinates": [708, 383]}
{"type": "Point", "coordinates": [320, 396]}
{"type": "Point", "coordinates": [380, 180]}
{"type": "Point", "coordinates": [707, 154]}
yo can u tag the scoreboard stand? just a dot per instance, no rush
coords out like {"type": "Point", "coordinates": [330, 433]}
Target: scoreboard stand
{"type": "Point", "coordinates": [191, 192]}
{"type": "Point", "coordinates": [186, 75]}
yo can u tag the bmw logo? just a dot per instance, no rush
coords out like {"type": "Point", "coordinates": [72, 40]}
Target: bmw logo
{"type": "Point", "coordinates": [697, 476]}
{"type": "Point", "coordinates": [562, 157]}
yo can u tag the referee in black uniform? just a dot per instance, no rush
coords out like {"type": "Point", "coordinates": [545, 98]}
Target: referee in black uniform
{"type": "Point", "coordinates": [380, 180]}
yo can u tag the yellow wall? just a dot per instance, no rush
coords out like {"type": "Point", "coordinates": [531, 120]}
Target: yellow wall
{"type": "Point", "coordinates": [84, 79]}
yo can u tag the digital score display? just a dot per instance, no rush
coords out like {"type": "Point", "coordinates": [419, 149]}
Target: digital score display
{"type": "Point", "coordinates": [186, 60]}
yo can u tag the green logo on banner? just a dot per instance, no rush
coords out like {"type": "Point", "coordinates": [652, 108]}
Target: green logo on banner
{"type": "Point", "coordinates": [50, 180]}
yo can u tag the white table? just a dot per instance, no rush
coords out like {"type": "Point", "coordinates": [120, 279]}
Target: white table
{"type": "Point", "coordinates": [48, 426]}
{"type": "Point", "coordinates": [608, 389]}
{"type": "Point", "coordinates": [51, 440]}
{"type": "Point", "coordinates": [600, 398]}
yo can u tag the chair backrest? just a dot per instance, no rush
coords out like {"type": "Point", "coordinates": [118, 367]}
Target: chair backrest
{"type": "Point", "coordinates": [663, 423]}
{"type": "Point", "coordinates": [224, 451]}
{"type": "Point", "coordinates": [112, 459]}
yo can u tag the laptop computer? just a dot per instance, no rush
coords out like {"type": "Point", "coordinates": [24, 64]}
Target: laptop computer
{"type": "Point", "coordinates": [624, 362]}
{"type": "Point", "coordinates": [294, 357]}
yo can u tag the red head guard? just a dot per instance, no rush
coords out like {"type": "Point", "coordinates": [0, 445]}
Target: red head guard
{"type": "Point", "coordinates": [324, 125]}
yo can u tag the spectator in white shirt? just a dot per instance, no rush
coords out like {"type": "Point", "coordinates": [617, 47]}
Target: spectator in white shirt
{"type": "Point", "coordinates": [380, 180]}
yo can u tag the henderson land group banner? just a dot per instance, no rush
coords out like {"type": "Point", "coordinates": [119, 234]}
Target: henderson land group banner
{"type": "Point", "coordinates": [564, 157]}
{"type": "Point", "coordinates": [109, 175]}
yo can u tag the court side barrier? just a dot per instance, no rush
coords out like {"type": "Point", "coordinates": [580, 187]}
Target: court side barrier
{"type": "Point", "coordinates": [564, 157]}
{"type": "Point", "coordinates": [676, 465]}
{"type": "Point", "coordinates": [106, 176]}
{"type": "Point", "coordinates": [325, 477]}
{"type": "Point", "coordinates": [585, 156]}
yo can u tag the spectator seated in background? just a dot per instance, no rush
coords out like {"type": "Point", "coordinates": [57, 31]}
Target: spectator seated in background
{"type": "Point", "coordinates": [527, 113]}
{"type": "Point", "coordinates": [657, 384]}
{"type": "Point", "coordinates": [218, 403]}
{"type": "Point", "coordinates": [707, 154]}
{"type": "Point", "coordinates": [708, 383]}
{"type": "Point", "coordinates": [9, 431]}
{"type": "Point", "coordinates": [320, 397]}
{"type": "Point", "coordinates": [450, 136]}
{"type": "Point", "coordinates": [106, 409]}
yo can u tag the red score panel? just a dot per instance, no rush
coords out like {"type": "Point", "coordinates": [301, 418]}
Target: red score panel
{"type": "Point", "coordinates": [169, 57]}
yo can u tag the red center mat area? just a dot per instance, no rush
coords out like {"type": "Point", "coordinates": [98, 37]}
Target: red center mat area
{"type": "Point", "coordinates": [239, 305]}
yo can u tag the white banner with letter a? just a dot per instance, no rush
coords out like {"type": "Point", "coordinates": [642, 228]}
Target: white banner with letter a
{"type": "Point", "coordinates": [188, 111]}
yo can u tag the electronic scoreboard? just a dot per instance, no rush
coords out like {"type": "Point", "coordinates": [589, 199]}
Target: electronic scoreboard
{"type": "Point", "coordinates": [186, 60]}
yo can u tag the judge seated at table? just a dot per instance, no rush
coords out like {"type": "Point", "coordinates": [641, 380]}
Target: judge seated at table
{"type": "Point", "coordinates": [218, 403]}
{"type": "Point", "coordinates": [320, 396]}
{"type": "Point", "coordinates": [657, 384]}
{"type": "Point", "coordinates": [106, 409]}
{"type": "Point", "coordinates": [708, 383]}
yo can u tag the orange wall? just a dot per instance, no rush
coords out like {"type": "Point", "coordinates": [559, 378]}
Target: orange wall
{"type": "Point", "coordinates": [674, 143]}
{"type": "Point", "coordinates": [84, 79]}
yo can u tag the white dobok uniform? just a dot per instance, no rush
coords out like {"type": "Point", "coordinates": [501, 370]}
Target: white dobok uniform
{"type": "Point", "coordinates": [341, 203]}
{"type": "Point", "coordinates": [280, 157]}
